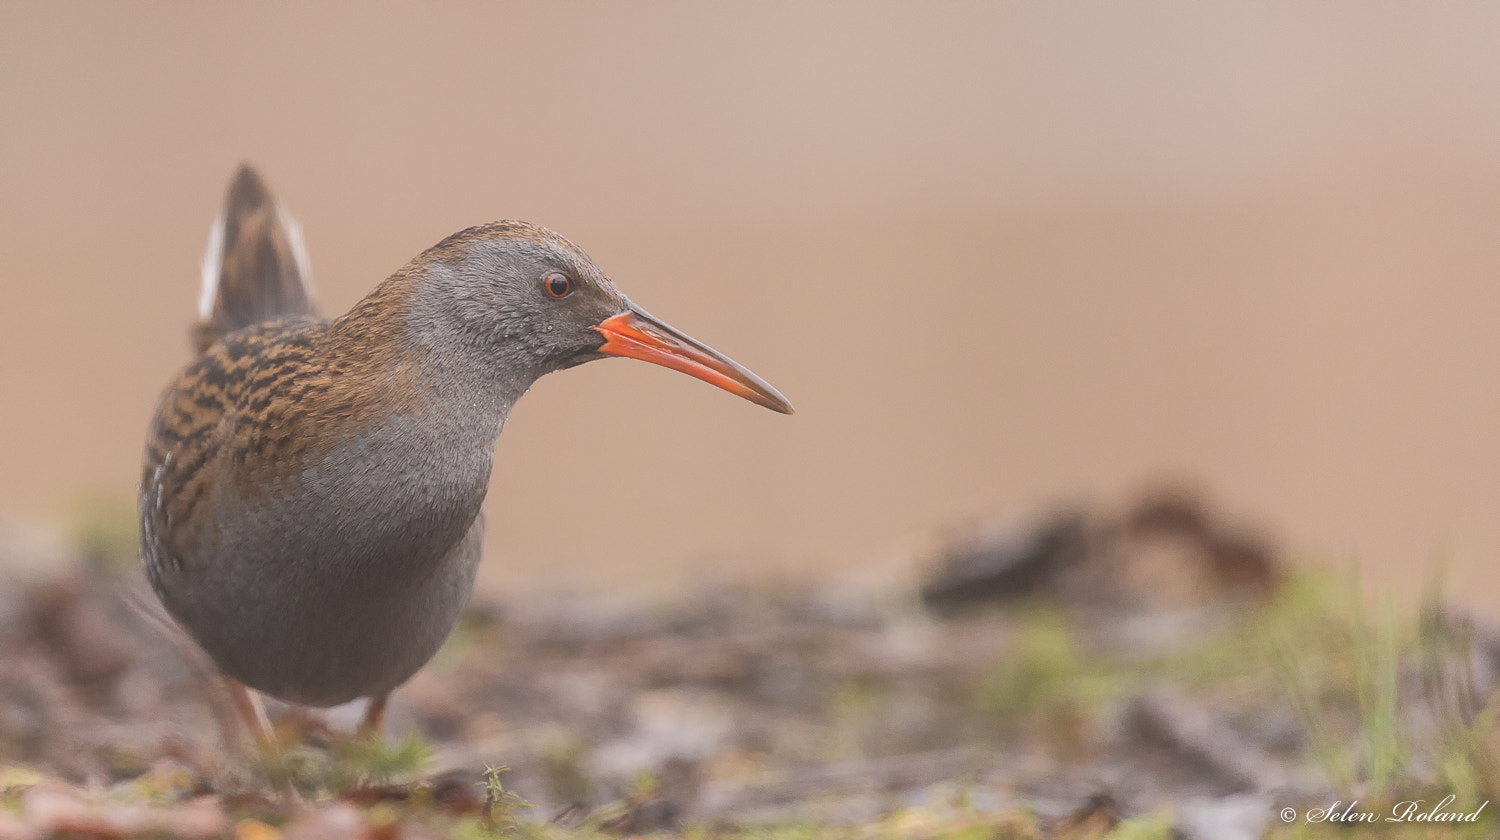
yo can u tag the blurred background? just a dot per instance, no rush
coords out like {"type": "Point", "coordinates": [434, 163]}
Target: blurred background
{"type": "Point", "coordinates": [998, 255]}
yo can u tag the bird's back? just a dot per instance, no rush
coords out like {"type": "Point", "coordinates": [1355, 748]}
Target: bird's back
{"type": "Point", "coordinates": [256, 318]}
{"type": "Point", "coordinates": [255, 275]}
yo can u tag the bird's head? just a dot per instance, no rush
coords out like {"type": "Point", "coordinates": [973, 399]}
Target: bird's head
{"type": "Point", "coordinates": [538, 303]}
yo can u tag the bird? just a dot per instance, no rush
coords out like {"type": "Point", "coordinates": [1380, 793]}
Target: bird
{"type": "Point", "coordinates": [312, 488]}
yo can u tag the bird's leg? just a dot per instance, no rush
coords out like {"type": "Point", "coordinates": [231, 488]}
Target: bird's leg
{"type": "Point", "coordinates": [374, 719]}
{"type": "Point", "coordinates": [251, 711]}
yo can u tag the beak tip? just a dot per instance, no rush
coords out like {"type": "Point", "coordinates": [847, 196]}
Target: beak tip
{"type": "Point", "coordinates": [767, 396]}
{"type": "Point", "coordinates": [637, 335]}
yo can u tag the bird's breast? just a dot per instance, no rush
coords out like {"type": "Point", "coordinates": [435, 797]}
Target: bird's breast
{"type": "Point", "coordinates": [375, 508]}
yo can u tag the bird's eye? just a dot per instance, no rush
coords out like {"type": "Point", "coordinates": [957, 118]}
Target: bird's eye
{"type": "Point", "coordinates": [558, 285]}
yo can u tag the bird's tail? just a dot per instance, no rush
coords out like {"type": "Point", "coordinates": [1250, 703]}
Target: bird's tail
{"type": "Point", "coordinates": [255, 268]}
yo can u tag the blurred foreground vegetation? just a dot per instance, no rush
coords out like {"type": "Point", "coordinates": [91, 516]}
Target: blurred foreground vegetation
{"type": "Point", "coordinates": [1091, 695]}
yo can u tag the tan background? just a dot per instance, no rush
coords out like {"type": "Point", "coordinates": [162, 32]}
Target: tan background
{"type": "Point", "coordinates": [997, 254]}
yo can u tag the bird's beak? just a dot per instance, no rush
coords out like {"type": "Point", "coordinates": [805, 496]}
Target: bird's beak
{"type": "Point", "coordinates": [635, 334]}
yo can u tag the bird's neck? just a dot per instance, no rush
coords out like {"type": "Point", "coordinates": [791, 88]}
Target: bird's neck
{"type": "Point", "coordinates": [415, 367]}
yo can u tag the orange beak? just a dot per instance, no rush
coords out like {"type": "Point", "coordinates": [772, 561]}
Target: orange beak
{"type": "Point", "coordinates": [637, 335]}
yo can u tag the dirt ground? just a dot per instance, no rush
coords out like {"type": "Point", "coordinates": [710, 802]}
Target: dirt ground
{"type": "Point", "coordinates": [1153, 671]}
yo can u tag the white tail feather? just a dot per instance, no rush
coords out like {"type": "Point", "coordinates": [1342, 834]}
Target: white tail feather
{"type": "Point", "coordinates": [213, 264]}
{"type": "Point", "coordinates": [293, 230]}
